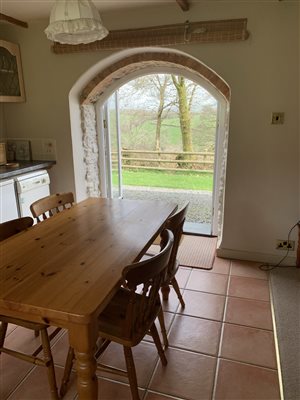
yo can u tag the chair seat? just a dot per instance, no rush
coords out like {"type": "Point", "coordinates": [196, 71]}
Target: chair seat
{"type": "Point", "coordinates": [112, 321]}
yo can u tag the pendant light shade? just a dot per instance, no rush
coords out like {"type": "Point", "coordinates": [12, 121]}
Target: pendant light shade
{"type": "Point", "coordinates": [74, 22]}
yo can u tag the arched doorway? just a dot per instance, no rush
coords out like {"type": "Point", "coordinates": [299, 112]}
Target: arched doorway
{"type": "Point", "coordinates": [97, 84]}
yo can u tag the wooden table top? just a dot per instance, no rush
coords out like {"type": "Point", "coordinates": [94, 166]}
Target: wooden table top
{"type": "Point", "coordinates": [68, 267]}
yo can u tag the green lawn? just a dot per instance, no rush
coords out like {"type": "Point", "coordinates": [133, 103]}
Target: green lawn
{"type": "Point", "coordinates": [139, 133]}
{"type": "Point", "coordinates": [176, 180]}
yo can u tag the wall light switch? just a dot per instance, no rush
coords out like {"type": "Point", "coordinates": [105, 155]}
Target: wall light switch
{"type": "Point", "coordinates": [277, 118]}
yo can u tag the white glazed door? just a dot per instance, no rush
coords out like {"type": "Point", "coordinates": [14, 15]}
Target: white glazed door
{"type": "Point", "coordinates": [110, 149]}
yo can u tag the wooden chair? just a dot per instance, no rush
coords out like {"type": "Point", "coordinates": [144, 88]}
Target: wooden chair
{"type": "Point", "coordinates": [14, 226]}
{"type": "Point", "coordinates": [50, 205]}
{"type": "Point", "coordinates": [131, 313]}
{"type": "Point", "coordinates": [175, 225]}
{"type": "Point", "coordinates": [8, 229]}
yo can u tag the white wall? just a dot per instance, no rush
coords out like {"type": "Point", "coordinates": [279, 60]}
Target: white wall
{"type": "Point", "coordinates": [262, 192]}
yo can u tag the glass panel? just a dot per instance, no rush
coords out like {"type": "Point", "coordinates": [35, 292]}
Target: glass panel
{"type": "Point", "coordinates": [169, 126]}
{"type": "Point", "coordinates": [114, 154]}
{"type": "Point", "coordinates": [9, 80]}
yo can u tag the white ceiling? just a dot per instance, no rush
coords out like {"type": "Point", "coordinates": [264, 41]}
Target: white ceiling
{"type": "Point", "coordinates": [27, 10]}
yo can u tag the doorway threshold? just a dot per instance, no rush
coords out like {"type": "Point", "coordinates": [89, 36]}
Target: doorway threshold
{"type": "Point", "coordinates": [194, 228]}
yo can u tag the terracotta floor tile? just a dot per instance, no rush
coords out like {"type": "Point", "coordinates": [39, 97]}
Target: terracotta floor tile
{"type": "Point", "coordinates": [249, 345]}
{"type": "Point", "coordinates": [247, 367]}
{"type": "Point", "coordinates": [195, 334]}
{"type": "Point", "coordinates": [250, 382]}
{"type": "Point", "coordinates": [182, 276]}
{"type": "Point", "coordinates": [173, 303]}
{"type": "Point", "coordinates": [221, 266]}
{"type": "Point", "coordinates": [249, 288]}
{"type": "Point", "coordinates": [36, 387]}
{"type": "Point", "coordinates": [10, 328]}
{"type": "Point", "coordinates": [186, 375]}
{"type": "Point", "coordinates": [248, 269]}
{"type": "Point", "coordinates": [168, 317]}
{"type": "Point", "coordinates": [23, 339]}
{"type": "Point", "coordinates": [158, 396]}
{"type": "Point", "coordinates": [204, 305]}
{"type": "Point", "coordinates": [207, 282]}
{"type": "Point", "coordinates": [247, 312]}
{"type": "Point", "coordinates": [112, 390]}
{"type": "Point", "coordinates": [12, 371]}
{"type": "Point", "coordinates": [60, 350]}
{"type": "Point", "coordinates": [145, 358]}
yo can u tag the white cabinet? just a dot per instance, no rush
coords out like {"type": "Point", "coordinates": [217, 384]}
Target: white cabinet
{"type": "Point", "coordinates": [18, 193]}
{"type": "Point", "coordinates": [8, 202]}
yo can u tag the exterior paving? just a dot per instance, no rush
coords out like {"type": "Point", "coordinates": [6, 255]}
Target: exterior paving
{"type": "Point", "coordinates": [200, 207]}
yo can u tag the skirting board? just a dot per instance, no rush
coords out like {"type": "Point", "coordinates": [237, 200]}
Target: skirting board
{"type": "Point", "coordinates": [257, 257]}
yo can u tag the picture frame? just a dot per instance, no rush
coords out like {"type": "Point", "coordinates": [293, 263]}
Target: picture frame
{"type": "Point", "coordinates": [11, 76]}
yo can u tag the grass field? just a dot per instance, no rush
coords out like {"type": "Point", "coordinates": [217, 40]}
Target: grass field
{"type": "Point", "coordinates": [176, 180]}
{"type": "Point", "coordinates": [140, 134]}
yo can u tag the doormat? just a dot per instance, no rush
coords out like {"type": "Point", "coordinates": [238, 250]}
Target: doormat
{"type": "Point", "coordinates": [197, 251]}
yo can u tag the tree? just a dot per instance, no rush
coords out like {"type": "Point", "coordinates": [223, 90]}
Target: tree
{"type": "Point", "coordinates": [161, 82]}
{"type": "Point", "coordinates": [154, 88]}
{"type": "Point", "coordinates": [154, 98]}
{"type": "Point", "coordinates": [185, 98]}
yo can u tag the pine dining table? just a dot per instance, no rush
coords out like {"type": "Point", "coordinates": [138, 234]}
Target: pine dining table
{"type": "Point", "coordinates": [64, 270]}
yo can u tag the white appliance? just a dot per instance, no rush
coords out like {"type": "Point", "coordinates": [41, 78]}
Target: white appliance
{"type": "Point", "coordinates": [31, 187]}
{"type": "Point", "coordinates": [8, 201]}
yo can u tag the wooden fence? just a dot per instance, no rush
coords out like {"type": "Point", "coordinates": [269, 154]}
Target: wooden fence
{"type": "Point", "coordinates": [200, 162]}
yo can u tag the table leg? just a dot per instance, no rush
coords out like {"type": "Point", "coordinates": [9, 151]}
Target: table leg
{"type": "Point", "coordinates": [83, 340]}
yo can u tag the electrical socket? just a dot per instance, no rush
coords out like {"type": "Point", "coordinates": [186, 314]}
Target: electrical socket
{"type": "Point", "coordinates": [49, 148]}
{"type": "Point", "coordinates": [277, 118]}
{"type": "Point", "coordinates": [285, 245]}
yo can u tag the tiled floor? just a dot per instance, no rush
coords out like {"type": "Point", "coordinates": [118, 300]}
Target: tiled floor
{"type": "Point", "coordinates": [221, 345]}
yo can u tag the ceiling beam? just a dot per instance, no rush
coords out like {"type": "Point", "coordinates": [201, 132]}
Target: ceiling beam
{"type": "Point", "coordinates": [183, 4]}
{"type": "Point", "coordinates": [12, 20]}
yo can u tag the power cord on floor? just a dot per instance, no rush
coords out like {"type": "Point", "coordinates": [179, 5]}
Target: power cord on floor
{"type": "Point", "coordinates": [269, 267]}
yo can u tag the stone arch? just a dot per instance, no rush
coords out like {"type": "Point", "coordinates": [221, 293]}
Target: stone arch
{"type": "Point", "coordinates": [98, 83]}
{"type": "Point", "coordinates": [139, 62]}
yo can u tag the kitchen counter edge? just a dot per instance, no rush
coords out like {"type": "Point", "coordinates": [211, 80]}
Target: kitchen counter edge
{"type": "Point", "coordinates": [23, 168]}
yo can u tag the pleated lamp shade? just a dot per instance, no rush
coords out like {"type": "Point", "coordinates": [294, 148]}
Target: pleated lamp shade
{"type": "Point", "coordinates": [74, 22]}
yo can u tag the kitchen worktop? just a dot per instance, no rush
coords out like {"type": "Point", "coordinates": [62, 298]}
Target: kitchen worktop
{"type": "Point", "coordinates": [23, 167]}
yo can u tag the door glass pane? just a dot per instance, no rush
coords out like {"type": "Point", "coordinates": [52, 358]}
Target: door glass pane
{"type": "Point", "coordinates": [114, 147]}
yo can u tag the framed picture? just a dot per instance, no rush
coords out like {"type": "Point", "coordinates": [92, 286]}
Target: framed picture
{"type": "Point", "coordinates": [11, 77]}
